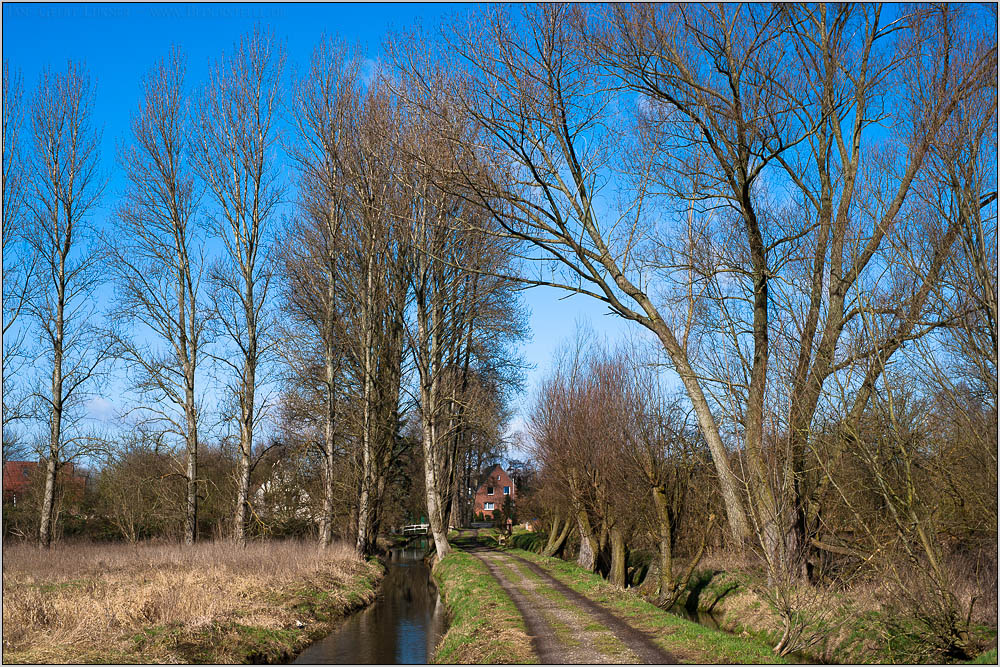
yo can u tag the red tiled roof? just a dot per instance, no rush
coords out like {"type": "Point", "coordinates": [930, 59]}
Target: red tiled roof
{"type": "Point", "coordinates": [489, 476]}
{"type": "Point", "coordinates": [16, 474]}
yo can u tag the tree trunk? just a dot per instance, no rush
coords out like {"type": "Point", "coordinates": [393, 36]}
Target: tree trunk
{"type": "Point", "coordinates": [439, 531]}
{"type": "Point", "coordinates": [666, 564]}
{"type": "Point", "coordinates": [48, 502]}
{"type": "Point", "coordinates": [242, 498]}
{"type": "Point", "coordinates": [191, 505]}
{"type": "Point", "coordinates": [330, 354]}
{"type": "Point", "coordinates": [728, 483]}
{"type": "Point", "coordinates": [188, 348]}
{"type": "Point", "coordinates": [588, 556]}
{"type": "Point", "coordinates": [55, 428]}
{"type": "Point", "coordinates": [326, 520]}
{"type": "Point", "coordinates": [557, 538]}
{"type": "Point", "coordinates": [652, 583]}
{"type": "Point", "coordinates": [618, 557]}
{"type": "Point", "coordinates": [364, 540]}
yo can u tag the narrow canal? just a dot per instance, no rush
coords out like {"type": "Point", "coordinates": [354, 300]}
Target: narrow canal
{"type": "Point", "coordinates": [402, 626]}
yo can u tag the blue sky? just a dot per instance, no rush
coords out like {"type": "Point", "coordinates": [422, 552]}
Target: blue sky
{"type": "Point", "coordinates": [120, 42]}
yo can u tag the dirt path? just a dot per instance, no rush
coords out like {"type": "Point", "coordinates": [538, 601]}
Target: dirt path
{"type": "Point", "coordinates": [567, 628]}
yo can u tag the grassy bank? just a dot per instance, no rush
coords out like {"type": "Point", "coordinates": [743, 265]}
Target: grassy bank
{"type": "Point", "coordinates": [486, 627]}
{"type": "Point", "coordinates": [688, 641]}
{"type": "Point", "coordinates": [848, 627]}
{"type": "Point", "coordinates": [211, 603]}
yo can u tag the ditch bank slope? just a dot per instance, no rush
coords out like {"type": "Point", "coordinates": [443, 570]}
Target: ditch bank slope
{"type": "Point", "coordinates": [210, 603]}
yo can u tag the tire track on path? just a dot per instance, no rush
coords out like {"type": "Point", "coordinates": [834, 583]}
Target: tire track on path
{"type": "Point", "coordinates": [635, 639]}
{"type": "Point", "coordinates": [566, 627]}
{"type": "Point", "coordinates": [543, 640]}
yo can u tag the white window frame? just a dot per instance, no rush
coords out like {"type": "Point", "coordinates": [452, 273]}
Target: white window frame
{"type": "Point", "coordinates": [489, 490]}
{"type": "Point", "coordinates": [488, 507]}
{"type": "Point", "coordinates": [506, 490]}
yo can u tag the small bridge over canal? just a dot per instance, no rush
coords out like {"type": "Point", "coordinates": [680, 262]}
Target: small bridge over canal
{"type": "Point", "coordinates": [417, 529]}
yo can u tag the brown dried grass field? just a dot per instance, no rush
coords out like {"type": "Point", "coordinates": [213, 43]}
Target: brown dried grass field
{"type": "Point", "coordinates": [166, 603]}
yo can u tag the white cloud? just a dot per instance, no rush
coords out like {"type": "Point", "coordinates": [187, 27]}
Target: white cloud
{"type": "Point", "coordinates": [101, 409]}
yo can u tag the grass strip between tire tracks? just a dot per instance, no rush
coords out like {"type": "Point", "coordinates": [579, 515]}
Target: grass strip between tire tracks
{"type": "Point", "coordinates": [485, 627]}
{"type": "Point", "coordinates": [684, 639]}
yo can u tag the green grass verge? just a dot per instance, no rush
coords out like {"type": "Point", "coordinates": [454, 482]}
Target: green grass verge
{"type": "Point", "coordinates": [986, 658]}
{"type": "Point", "coordinates": [486, 627]}
{"type": "Point", "coordinates": [688, 641]}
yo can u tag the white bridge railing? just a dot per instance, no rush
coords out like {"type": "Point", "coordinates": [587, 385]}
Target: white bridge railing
{"type": "Point", "coordinates": [416, 529]}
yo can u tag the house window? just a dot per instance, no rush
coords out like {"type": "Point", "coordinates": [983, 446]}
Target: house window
{"type": "Point", "coordinates": [487, 506]}
{"type": "Point", "coordinates": [498, 478]}
{"type": "Point", "coordinates": [489, 490]}
{"type": "Point", "coordinates": [506, 490]}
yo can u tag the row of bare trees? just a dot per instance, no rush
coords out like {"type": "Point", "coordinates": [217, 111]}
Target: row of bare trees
{"type": "Point", "coordinates": [798, 203]}
{"type": "Point", "coordinates": [378, 304]}
{"type": "Point", "coordinates": [393, 277]}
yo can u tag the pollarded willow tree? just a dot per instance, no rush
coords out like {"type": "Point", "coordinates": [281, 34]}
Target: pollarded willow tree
{"type": "Point", "coordinates": [157, 264]}
{"type": "Point", "coordinates": [235, 155]}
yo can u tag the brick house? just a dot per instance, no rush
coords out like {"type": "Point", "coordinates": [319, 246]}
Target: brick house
{"type": "Point", "coordinates": [17, 478]}
{"type": "Point", "coordinates": [493, 491]}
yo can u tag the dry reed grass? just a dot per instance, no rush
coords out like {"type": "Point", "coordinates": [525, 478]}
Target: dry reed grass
{"type": "Point", "coordinates": [850, 617]}
{"type": "Point", "coordinates": [89, 603]}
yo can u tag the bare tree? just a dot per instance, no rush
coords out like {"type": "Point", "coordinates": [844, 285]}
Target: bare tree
{"type": "Point", "coordinates": [345, 267]}
{"type": "Point", "coordinates": [456, 272]}
{"type": "Point", "coordinates": [157, 265]}
{"type": "Point", "coordinates": [450, 294]}
{"type": "Point", "coordinates": [377, 259]}
{"type": "Point", "coordinates": [234, 153]}
{"type": "Point", "coordinates": [544, 124]}
{"type": "Point", "coordinates": [16, 264]}
{"type": "Point", "coordinates": [326, 106]}
{"type": "Point", "coordinates": [64, 187]}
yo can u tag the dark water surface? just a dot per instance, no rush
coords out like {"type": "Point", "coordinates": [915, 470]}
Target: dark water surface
{"type": "Point", "coordinates": [705, 618]}
{"type": "Point", "coordinates": [402, 626]}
